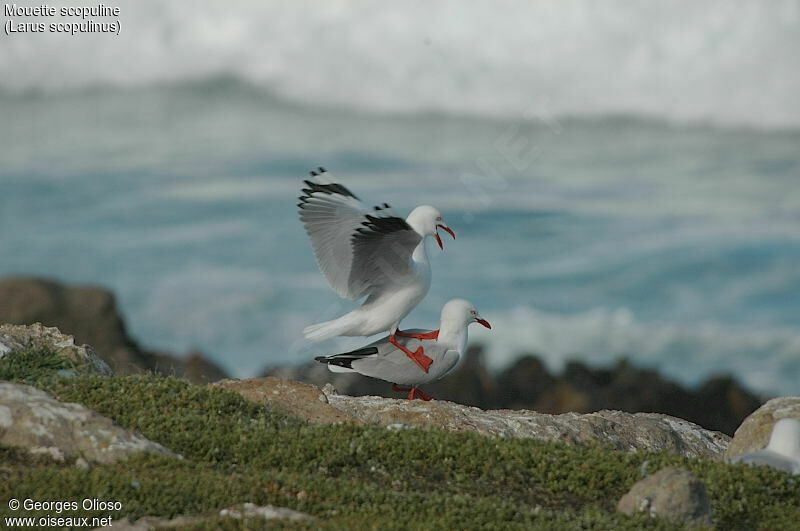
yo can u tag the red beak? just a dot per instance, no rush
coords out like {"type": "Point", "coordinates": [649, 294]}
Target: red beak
{"type": "Point", "coordinates": [448, 229]}
{"type": "Point", "coordinates": [484, 322]}
{"type": "Point", "coordinates": [438, 239]}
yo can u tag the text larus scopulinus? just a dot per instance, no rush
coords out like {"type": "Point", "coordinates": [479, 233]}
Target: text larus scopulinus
{"type": "Point", "coordinates": [385, 361]}
{"type": "Point", "coordinates": [370, 253]}
{"type": "Point", "coordinates": [783, 450]}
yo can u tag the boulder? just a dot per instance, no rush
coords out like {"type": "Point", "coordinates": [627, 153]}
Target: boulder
{"type": "Point", "coordinates": [87, 312]}
{"type": "Point", "coordinates": [293, 398]}
{"type": "Point", "coordinates": [674, 494]}
{"type": "Point", "coordinates": [34, 420]}
{"type": "Point", "coordinates": [91, 315]}
{"type": "Point", "coordinates": [719, 404]}
{"type": "Point", "coordinates": [755, 431]}
{"type": "Point", "coordinates": [622, 431]}
{"type": "Point", "coordinates": [36, 338]}
{"type": "Point", "coordinates": [267, 512]}
{"type": "Point", "coordinates": [783, 451]}
{"type": "Point", "coordinates": [237, 512]}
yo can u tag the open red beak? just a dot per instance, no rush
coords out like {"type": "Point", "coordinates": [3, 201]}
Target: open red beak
{"type": "Point", "coordinates": [448, 229]}
{"type": "Point", "coordinates": [484, 322]}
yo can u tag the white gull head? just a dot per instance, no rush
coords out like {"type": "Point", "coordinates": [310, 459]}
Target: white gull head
{"type": "Point", "coordinates": [457, 314]}
{"type": "Point", "coordinates": [426, 221]}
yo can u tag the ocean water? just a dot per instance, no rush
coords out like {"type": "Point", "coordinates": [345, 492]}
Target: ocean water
{"type": "Point", "coordinates": [618, 186]}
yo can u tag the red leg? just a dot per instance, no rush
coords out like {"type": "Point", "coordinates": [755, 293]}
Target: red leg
{"type": "Point", "coordinates": [416, 393]}
{"type": "Point", "coordinates": [413, 392]}
{"type": "Point", "coordinates": [433, 334]}
{"type": "Point", "coordinates": [417, 357]}
{"type": "Point", "coordinates": [397, 389]}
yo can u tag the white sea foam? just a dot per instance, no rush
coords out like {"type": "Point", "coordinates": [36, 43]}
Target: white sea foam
{"type": "Point", "coordinates": [764, 358]}
{"type": "Point", "coordinates": [730, 62]}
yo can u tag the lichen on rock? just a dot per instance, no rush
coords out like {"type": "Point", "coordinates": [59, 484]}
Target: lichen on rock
{"type": "Point", "coordinates": [755, 431]}
{"type": "Point", "coordinates": [36, 339]}
{"type": "Point", "coordinates": [293, 398]}
{"type": "Point", "coordinates": [622, 431]}
{"type": "Point", "coordinates": [671, 493]}
{"type": "Point", "coordinates": [34, 420]}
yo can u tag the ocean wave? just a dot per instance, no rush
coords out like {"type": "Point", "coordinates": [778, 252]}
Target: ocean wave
{"type": "Point", "coordinates": [765, 358]}
{"type": "Point", "coordinates": [728, 63]}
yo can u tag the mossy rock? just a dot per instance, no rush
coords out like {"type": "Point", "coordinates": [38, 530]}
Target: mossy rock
{"type": "Point", "coordinates": [31, 351]}
{"type": "Point", "coordinates": [362, 477]}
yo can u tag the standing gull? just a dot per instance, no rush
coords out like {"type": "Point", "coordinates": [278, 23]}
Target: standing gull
{"type": "Point", "coordinates": [370, 253]}
{"type": "Point", "coordinates": [383, 360]}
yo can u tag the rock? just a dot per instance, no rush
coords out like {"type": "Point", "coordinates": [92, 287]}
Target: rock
{"type": "Point", "coordinates": [267, 512]}
{"type": "Point", "coordinates": [719, 404]}
{"type": "Point", "coordinates": [623, 431]}
{"type": "Point", "coordinates": [242, 510]}
{"type": "Point", "coordinates": [194, 367]}
{"type": "Point", "coordinates": [150, 523]}
{"type": "Point", "coordinates": [783, 451]}
{"type": "Point", "coordinates": [317, 374]}
{"type": "Point", "coordinates": [755, 431]}
{"type": "Point", "coordinates": [91, 315]}
{"type": "Point", "coordinates": [293, 398]}
{"type": "Point", "coordinates": [32, 419]}
{"type": "Point", "coordinates": [674, 494]}
{"type": "Point", "coordinates": [199, 369]}
{"type": "Point", "coordinates": [87, 312]}
{"type": "Point", "coordinates": [36, 338]}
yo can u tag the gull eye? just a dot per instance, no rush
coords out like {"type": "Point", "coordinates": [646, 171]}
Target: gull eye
{"type": "Point", "coordinates": [439, 218]}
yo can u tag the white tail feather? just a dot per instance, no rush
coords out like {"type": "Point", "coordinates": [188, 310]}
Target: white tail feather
{"type": "Point", "coordinates": [336, 368]}
{"type": "Point", "coordinates": [328, 329]}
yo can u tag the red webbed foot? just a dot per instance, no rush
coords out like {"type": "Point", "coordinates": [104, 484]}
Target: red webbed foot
{"type": "Point", "coordinates": [413, 393]}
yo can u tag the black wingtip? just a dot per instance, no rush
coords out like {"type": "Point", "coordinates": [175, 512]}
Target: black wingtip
{"type": "Point", "coordinates": [332, 188]}
{"type": "Point", "coordinates": [320, 359]}
{"type": "Point", "coordinates": [313, 174]}
{"type": "Point", "coordinates": [321, 169]}
{"type": "Point", "coordinates": [386, 205]}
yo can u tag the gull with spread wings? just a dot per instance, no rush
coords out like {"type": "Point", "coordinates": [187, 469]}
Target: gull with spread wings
{"type": "Point", "coordinates": [372, 254]}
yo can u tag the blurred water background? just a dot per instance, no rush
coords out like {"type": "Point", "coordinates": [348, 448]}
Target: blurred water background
{"type": "Point", "coordinates": [623, 178]}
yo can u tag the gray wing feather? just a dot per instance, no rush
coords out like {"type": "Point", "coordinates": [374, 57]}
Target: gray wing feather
{"type": "Point", "coordinates": [392, 365]}
{"type": "Point", "coordinates": [382, 249]}
{"type": "Point", "coordinates": [334, 218]}
{"type": "Point", "coordinates": [330, 223]}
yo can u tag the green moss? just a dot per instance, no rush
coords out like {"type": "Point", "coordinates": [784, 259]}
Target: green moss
{"type": "Point", "coordinates": [33, 366]}
{"type": "Point", "coordinates": [363, 477]}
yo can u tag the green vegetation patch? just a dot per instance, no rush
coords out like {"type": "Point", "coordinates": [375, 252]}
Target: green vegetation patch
{"type": "Point", "coordinates": [363, 477]}
{"type": "Point", "coordinates": [34, 366]}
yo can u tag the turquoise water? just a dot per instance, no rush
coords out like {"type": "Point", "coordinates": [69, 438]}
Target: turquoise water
{"type": "Point", "coordinates": [674, 245]}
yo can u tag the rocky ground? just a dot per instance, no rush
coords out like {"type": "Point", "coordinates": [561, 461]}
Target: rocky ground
{"type": "Point", "coordinates": [232, 454]}
{"type": "Point", "coordinates": [719, 404]}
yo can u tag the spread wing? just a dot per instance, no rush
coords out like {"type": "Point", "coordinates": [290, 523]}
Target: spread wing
{"type": "Point", "coordinates": [382, 249]}
{"type": "Point", "coordinates": [335, 219]}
